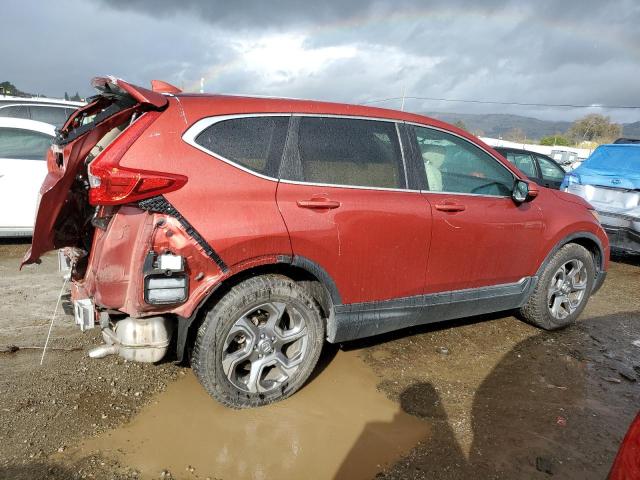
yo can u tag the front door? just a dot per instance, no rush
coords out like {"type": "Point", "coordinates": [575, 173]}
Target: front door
{"type": "Point", "coordinates": [480, 237]}
{"type": "Point", "coordinates": [344, 200]}
{"type": "Point", "coordinates": [22, 170]}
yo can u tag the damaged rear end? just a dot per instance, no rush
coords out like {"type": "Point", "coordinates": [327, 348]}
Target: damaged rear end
{"type": "Point", "coordinates": [133, 259]}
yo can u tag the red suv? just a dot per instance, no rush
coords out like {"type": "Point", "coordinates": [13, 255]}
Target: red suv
{"type": "Point", "coordinates": [252, 230]}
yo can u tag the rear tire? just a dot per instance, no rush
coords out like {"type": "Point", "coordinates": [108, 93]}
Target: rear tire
{"type": "Point", "coordinates": [259, 343]}
{"type": "Point", "coordinates": [563, 289]}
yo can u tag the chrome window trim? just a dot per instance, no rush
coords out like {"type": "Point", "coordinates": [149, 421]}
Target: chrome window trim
{"type": "Point", "coordinates": [189, 136]}
{"type": "Point", "coordinates": [197, 128]}
{"type": "Point", "coordinates": [355, 187]}
{"type": "Point", "coordinates": [475, 145]}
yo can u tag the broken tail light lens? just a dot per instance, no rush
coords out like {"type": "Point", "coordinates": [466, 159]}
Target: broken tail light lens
{"type": "Point", "coordinates": [166, 290]}
{"type": "Point", "coordinates": [112, 184]}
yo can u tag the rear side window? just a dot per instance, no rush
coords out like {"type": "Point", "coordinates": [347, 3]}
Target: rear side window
{"type": "Point", "coordinates": [341, 151]}
{"type": "Point", "coordinates": [53, 115]}
{"type": "Point", "coordinates": [523, 161]}
{"type": "Point", "coordinates": [255, 143]}
{"type": "Point", "coordinates": [22, 144]}
{"type": "Point", "coordinates": [550, 171]}
{"type": "Point", "coordinates": [453, 164]}
{"type": "Point", "coordinates": [15, 111]}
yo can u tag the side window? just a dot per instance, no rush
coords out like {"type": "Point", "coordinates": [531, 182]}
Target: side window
{"type": "Point", "coordinates": [523, 161]}
{"type": "Point", "coordinates": [15, 111]}
{"type": "Point", "coordinates": [550, 171]}
{"type": "Point", "coordinates": [453, 164]}
{"type": "Point", "coordinates": [21, 144]}
{"type": "Point", "coordinates": [53, 115]}
{"type": "Point", "coordinates": [255, 143]}
{"type": "Point", "coordinates": [343, 151]}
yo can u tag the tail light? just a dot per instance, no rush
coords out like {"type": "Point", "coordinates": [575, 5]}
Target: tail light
{"type": "Point", "coordinates": [112, 184]}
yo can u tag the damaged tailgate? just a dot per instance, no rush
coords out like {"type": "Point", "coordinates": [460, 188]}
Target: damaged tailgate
{"type": "Point", "coordinates": [62, 218]}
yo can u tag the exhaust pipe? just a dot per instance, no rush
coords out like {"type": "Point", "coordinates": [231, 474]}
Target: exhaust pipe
{"type": "Point", "coordinates": [103, 350]}
{"type": "Point", "coordinates": [136, 339]}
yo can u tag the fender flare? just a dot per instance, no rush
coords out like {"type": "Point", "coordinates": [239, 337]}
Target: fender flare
{"type": "Point", "coordinates": [304, 263]}
{"type": "Point", "coordinates": [600, 262]}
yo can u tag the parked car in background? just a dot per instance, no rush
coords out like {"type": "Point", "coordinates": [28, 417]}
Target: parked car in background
{"type": "Point", "coordinates": [610, 181]}
{"type": "Point", "coordinates": [538, 167]}
{"type": "Point", "coordinates": [50, 111]}
{"type": "Point", "coordinates": [256, 229]}
{"type": "Point", "coordinates": [567, 159]}
{"type": "Point", "coordinates": [23, 148]}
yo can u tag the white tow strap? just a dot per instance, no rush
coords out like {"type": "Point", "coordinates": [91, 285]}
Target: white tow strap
{"type": "Point", "coordinates": [53, 317]}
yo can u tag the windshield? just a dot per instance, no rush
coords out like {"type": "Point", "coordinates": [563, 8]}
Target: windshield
{"type": "Point", "coordinates": [615, 158]}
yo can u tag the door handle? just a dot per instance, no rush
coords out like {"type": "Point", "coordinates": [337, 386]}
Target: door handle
{"type": "Point", "coordinates": [318, 203]}
{"type": "Point", "coordinates": [450, 207]}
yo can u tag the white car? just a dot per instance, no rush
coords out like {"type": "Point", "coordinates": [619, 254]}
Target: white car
{"type": "Point", "coordinates": [23, 147]}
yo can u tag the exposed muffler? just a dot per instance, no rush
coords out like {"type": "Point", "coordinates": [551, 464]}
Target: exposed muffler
{"type": "Point", "coordinates": [136, 339]}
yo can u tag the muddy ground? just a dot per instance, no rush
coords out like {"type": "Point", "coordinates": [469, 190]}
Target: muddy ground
{"type": "Point", "coordinates": [486, 397]}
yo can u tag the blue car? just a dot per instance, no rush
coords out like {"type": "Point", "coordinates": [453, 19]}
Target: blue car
{"type": "Point", "coordinates": [610, 180]}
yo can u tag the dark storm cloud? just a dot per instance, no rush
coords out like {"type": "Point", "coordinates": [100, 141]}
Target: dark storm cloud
{"type": "Point", "coordinates": [349, 50]}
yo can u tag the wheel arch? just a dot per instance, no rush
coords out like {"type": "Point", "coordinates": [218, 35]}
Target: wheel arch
{"type": "Point", "coordinates": [585, 239]}
{"type": "Point", "coordinates": [302, 270]}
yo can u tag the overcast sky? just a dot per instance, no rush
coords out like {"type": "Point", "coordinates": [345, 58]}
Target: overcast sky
{"type": "Point", "coordinates": [544, 51]}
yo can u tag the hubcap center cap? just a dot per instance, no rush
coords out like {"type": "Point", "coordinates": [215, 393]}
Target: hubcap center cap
{"type": "Point", "coordinates": [265, 347]}
{"type": "Point", "coordinates": [566, 288]}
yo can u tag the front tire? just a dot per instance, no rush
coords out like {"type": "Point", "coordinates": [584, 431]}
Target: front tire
{"type": "Point", "coordinates": [260, 342]}
{"type": "Point", "coordinates": [563, 289]}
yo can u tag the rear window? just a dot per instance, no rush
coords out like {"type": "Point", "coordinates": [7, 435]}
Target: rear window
{"type": "Point", "coordinates": [255, 143]}
{"type": "Point", "coordinates": [53, 115]}
{"type": "Point", "coordinates": [340, 151]}
{"type": "Point", "coordinates": [615, 159]}
{"type": "Point", "coordinates": [16, 143]}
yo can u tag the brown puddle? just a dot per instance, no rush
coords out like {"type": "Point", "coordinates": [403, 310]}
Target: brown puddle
{"type": "Point", "coordinates": [338, 426]}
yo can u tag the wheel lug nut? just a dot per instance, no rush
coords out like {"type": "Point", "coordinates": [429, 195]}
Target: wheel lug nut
{"type": "Point", "coordinates": [273, 339]}
{"type": "Point", "coordinates": [262, 335]}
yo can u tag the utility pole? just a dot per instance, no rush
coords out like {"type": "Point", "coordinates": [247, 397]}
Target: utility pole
{"type": "Point", "coordinates": [201, 84]}
{"type": "Point", "coordinates": [404, 92]}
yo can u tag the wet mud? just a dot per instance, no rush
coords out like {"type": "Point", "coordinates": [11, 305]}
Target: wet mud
{"type": "Point", "coordinates": [311, 435]}
{"type": "Point", "coordinates": [484, 397]}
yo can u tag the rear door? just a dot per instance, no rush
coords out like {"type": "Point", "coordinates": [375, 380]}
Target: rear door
{"type": "Point", "coordinates": [480, 236]}
{"type": "Point", "coordinates": [552, 174]}
{"type": "Point", "coordinates": [344, 198]}
{"type": "Point", "coordinates": [22, 169]}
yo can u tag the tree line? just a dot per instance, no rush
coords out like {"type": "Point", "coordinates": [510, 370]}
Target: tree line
{"type": "Point", "coordinates": [593, 128]}
{"type": "Point", "coordinates": [8, 88]}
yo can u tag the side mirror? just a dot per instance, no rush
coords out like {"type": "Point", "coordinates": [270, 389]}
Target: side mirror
{"type": "Point", "coordinates": [524, 191]}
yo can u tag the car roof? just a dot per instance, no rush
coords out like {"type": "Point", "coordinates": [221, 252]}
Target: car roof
{"type": "Point", "coordinates": [26, 124]}
{"type": "Point", "coordinates": [241, 104]}
{"type": "Point", "coordinates": [11, 100]}
{"type": "Point", "coordinates": [31, 104]}
{"type": "Point", "coordinates": [512, 149]}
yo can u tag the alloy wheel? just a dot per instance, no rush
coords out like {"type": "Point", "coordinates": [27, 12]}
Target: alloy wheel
{"type": "Point", "coordinates": [264, 347]}
{"type": "Point", "coordinates": [567, 289]}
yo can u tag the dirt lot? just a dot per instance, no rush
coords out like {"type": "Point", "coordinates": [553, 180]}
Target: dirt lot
{"type": "Point", "coordinates": [486, 397]}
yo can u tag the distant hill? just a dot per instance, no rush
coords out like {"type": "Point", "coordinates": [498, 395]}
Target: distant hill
{"type": "Point", "coordinates": [631, 130]}
{"type": "Point", "coordinates": [497, 124]}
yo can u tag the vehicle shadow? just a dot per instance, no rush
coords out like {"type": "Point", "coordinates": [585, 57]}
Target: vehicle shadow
{"type": "Point", "coordinates": [553, 405]}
